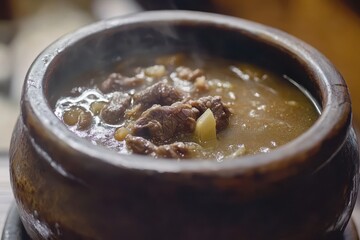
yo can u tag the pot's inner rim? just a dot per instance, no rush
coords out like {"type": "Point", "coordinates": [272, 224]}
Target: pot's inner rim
{"type": "Point", "coordinates": [318, 75]}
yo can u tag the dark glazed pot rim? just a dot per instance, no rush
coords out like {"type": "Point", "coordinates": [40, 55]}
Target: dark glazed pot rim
{"type": "Point", "coordinates": [308, 151]}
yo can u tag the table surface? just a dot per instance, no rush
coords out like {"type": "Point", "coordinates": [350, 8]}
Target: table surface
{"type": "Point", "coordinates": [6, 196]}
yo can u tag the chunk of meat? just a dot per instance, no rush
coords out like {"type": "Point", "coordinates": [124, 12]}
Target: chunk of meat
{"type": "Point", "coordinates": [186, 73]}
{"type": "Point", "coordinates": [156, 71]}
{"type": "Point", "coordinates": [113, 113]}
{"type": "Point", "coordinates": [159, 93]}
{"type": "Point", "coordinates": [220, 111]}
{"type": "Point", "coordinates": [176, 150]}
{"type": "Point", "coordinates": [118, 82]}
{"type": "Point", "coordinates": [85, 120]}
{"type": "Point", "coordinates": [201, 85]}
{"type": "Point", "coordinates": [133, 112]}
{"type": "Point", "coordinates": [162, 123]}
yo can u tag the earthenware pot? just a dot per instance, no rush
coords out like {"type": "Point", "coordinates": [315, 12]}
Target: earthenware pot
{"type": "Point", "coordinates": [67, 188]}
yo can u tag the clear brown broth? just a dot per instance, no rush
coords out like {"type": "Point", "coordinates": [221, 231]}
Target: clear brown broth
{"type": "Point", "coordinates": [268, 110]}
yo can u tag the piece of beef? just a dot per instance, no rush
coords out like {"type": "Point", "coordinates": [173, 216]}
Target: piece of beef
{"type": "Point", "coordinates": [220, 111]}
{"type": "Point", "coordinates": [175, 150]}
{"type": "Point", "coordinates": [134, 112]}
{"type": "Point", "coordinates": [118, 82]}
{"type": "Point", "coordinates": [159, 93]}
{"type": "Point", "coordinates": [187, 74]}
{"type": "Point", "coordinates": [140, 145]}
{"type": "Point", "coordinates": [201, 84]}
{"type": "Point", "coordinates": [161, 123]}
{"type": "Point", "coordinates": [113, 113]}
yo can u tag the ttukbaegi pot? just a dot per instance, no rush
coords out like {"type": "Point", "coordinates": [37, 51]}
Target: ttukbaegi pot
{"type": "Point", "coordinates": [67, 188]}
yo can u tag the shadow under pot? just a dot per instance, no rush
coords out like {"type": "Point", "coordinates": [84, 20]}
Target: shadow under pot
{"type": "Point", "coordinates": [67, 188]}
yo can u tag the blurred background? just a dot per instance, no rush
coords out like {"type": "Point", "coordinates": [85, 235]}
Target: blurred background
{"type": "Point", "coordinates": [27, 27]}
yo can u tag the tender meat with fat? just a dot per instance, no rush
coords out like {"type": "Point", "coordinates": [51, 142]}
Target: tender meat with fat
{"type": "Point", "coordinates": [187, 74]}
{"type": "Point", "coordinates": [220, 111]}
{"type": "Point", "coordinates": [159, 93]}
{"type": "Point", "coordinates": [201, 84]}
{"type": "Point", "coordinates": [134, 112]}
{"type": "Point", "coordinates": [162, 123]}
{"type": "Point", "coordinates": [118, 82]}
{"type": "Point", "coordinates": [113, 113]}
{"type": "Point", "coordinates": [175, 150]}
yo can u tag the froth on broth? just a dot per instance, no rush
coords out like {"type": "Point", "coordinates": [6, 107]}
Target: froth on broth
{"type": "Point", "coordinates": [187, 106]}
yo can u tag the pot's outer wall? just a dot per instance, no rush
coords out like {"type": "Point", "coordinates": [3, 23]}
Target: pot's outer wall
{"type": "Point", "coordinates": [52, 206]}
{"type": "Point", "coordinates": [64, 192]}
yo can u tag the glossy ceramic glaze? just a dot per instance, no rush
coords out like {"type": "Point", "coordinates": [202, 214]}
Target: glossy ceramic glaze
{"type": "Point", "coordinates": [67, 188]}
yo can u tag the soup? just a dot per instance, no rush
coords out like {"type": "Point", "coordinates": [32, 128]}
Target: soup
{"type": "Point", "coordinates": [186, 106]}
